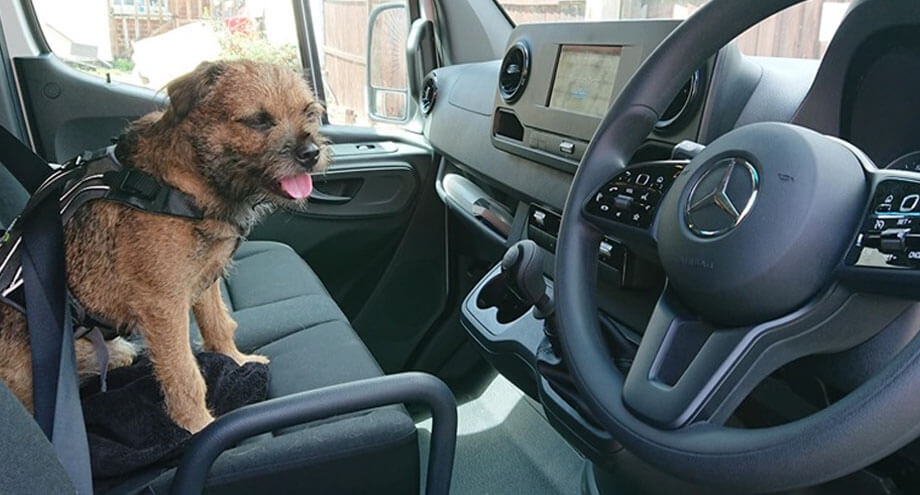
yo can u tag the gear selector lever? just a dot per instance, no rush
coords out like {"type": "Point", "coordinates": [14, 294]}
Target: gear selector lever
{"type": "Point", "coordinates": [523, 266]}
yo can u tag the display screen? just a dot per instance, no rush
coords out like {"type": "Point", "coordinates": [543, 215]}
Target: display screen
{"type": "Point", "coordinates": [585, 76]}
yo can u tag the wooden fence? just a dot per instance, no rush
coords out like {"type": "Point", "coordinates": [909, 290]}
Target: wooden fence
{"type": "Point", "coordinates": [800, 24]}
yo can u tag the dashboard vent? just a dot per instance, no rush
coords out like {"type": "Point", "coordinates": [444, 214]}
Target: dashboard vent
{"type": "Point", "coordinates": [683, 103]}
{"type": "Point", "coordinates": [514, 72]}
{"type": "Point", "coordinates": [429, 93]}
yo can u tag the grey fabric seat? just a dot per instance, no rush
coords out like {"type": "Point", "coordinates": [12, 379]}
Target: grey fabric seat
{"type": "Point", "coordinates": [285, 313]}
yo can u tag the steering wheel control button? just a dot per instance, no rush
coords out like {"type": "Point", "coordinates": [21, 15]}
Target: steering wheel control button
{"type": "Point", "coordinates": [632, 197]}
{"type": "Point", "coordinates": [890, 235]}
{"type": "Point", "coordinates": [722, 197]}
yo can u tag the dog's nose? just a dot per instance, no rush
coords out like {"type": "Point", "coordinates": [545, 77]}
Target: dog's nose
{"type": "Point", "coordinates": [307, 155]}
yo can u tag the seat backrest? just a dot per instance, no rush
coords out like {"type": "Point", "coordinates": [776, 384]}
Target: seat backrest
{"type": "Point", "coordinates": [13, 197]}
{"type": "Point", "coordinates": [28, 463]}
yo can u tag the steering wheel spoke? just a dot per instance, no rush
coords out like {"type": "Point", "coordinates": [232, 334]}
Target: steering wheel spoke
{"type": "Point", "coordinates": [626, 206]}
{"type": "Point", "coordinates": [688, 371]}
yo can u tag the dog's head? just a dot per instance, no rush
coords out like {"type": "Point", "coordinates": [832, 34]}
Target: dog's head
{"type": "Point", "coordinates": [254, 128]}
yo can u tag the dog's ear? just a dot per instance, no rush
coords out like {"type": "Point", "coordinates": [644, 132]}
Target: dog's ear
{"type": "Point", "coordinates": [186, 91]}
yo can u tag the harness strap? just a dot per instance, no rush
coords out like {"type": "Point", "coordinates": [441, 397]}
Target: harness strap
{"type": "Point", "coordinates": [102, 355]}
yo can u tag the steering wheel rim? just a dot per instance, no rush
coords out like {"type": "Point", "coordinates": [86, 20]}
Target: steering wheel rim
{"type": "Point", "coordinates": [874, 420]}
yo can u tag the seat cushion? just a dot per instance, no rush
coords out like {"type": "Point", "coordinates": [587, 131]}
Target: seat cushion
{"type": "Point", "coordinates": [285, 313]}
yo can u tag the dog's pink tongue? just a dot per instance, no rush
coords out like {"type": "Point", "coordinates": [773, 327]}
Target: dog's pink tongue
{"type": "Point", "coordinates": [297, 186]}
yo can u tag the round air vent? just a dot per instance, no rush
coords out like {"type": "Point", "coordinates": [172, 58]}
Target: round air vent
{"type": "Point", "coordinates": [682, 103]}
{"type": "Point", "coordinates": [515, 69]}
{"type": "Point", "coordinates": [429, 93]}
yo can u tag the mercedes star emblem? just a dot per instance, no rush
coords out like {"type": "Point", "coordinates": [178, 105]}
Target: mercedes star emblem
{"type": "Point", "coordinates": [722, 197]}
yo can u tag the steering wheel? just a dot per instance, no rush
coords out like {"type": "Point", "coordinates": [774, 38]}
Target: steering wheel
{"type": "Point", "coordinates": [752, 234]}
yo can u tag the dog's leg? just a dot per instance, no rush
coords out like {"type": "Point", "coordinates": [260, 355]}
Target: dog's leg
{"type": "Point", "coordinates": [165, 328]}
{"type": "Point", "coordinates": [217, 326]}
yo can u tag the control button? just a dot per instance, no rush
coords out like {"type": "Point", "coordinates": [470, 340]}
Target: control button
{"type": "Point", "coordinates": [629, 191]}
{"type": "Point", "coordinates": [904, 221]}
{"type": "Point", "coordinates": [909, 203]}
{"type": "Point", "coordinates": [540, 218]}
{"type": "Point", "coordinates": [869, 240]}
{"type": "Point", "coordinates": [893, 240]}
{"type": "Point", "coordinates": [643, 179]}
{"type": "Point", "coordinates": [626, 176]}
{"type": "Point", "coordinates": [650, 196]}
{"type": "Point", "coordinates": [876, 224]}
{"type": "Point", "coordinates": [605, 208]}
{"type": "Point", "coordinates": [606, 249]}
{"type": "Point", "coordinates": [883, 208]}
{"type": "Point", "coordinates": [913, 256]}
{"type": "Point", "coordinates": [567, 147]}
{"type": "Point", "coordinates": [622, 202]}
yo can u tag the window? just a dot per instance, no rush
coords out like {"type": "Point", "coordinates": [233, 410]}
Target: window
{"type": "Point", "coordinates": [151, 42]}
{"type": "Point", "coordinates": [802, 31]}
{"type": "Point", "coordinates": [341, 30]}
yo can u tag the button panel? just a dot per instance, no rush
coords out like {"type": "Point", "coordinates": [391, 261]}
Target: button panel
{"type": "Point", "coordinates": [632, 197]}
{"type": "Point", "coordinates": [890, 234]}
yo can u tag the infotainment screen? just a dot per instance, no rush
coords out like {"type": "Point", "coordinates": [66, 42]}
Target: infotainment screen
{"type": "Point", "coordinates": [585, 75]}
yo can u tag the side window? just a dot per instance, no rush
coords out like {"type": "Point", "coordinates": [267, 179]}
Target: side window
{"type": "Point", "coordinates": [363, 68]}
{"type": "Point", "coordinates": [151, 42]}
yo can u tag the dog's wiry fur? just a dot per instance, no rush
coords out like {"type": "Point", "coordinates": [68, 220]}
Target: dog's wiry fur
{"type": "Point", "coordinates": [226, 138]}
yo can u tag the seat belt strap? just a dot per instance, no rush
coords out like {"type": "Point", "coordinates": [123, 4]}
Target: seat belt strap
{"type": "Point", "coordinates": [55, 387]}
{"type": "Point", "coordinates": [28, 168]}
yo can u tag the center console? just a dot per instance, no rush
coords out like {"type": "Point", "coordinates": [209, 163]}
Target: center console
{"type": "Point", "coordinates": [555, 84]}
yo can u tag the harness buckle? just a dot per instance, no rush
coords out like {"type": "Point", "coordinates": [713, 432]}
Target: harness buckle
{"type": "Point", "coordinates": [139, 184]}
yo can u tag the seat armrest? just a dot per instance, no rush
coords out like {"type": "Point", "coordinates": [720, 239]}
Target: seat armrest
{"type": "Point", "coordinates": [235, 426]}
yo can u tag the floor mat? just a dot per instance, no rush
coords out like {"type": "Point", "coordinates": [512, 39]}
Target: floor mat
{"type": "Point", "coordinates": [505, 445]}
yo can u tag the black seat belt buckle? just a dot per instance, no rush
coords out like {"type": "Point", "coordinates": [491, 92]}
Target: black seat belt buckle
{"type": "Point", "coordinates": [139, 184]}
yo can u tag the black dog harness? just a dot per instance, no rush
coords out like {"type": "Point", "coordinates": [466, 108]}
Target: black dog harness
{"type": "Point", "coordinates": [91, 176]}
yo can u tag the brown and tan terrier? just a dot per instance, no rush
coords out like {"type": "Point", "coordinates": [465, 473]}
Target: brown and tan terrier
{"type": "Point", "coordinates": [235, 136]}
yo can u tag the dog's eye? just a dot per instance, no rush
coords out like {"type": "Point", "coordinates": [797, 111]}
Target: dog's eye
{"type": "Point", "coordinates": [261, 121]}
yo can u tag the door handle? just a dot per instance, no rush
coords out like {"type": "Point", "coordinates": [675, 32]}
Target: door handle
{"type": "Point", "coordinates": [321, 197]}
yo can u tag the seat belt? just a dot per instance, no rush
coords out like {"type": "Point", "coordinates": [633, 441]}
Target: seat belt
{"type": "Point", "coordinates": [55, 387]}
{"type": "Point", "coordinates": [28, 168]}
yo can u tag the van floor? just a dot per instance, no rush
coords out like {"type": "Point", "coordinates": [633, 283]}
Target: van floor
{"type": "Point", "coordinates": [506, 445]}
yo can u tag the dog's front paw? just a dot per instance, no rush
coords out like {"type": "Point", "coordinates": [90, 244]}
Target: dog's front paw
{"type": "Point", "coordinates": [196, 422]}
{"type": "Point", "coordinates": [121, 352]}
{"type": "Point", "coordinates": [242, 359]}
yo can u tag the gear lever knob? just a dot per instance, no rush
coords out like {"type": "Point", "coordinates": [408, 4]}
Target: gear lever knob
{"type": "Point", "coordinates": [523, 265]}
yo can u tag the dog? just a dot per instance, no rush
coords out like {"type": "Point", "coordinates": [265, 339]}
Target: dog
{"type": "Point", "coordinates": [239, 137]}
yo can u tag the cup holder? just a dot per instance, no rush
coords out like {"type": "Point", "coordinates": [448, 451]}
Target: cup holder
{"type": "Point", "coordinates": [497, 294]}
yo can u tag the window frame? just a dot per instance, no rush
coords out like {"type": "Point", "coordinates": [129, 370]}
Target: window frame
{"type": "Point", "coordinates": [310, 55]}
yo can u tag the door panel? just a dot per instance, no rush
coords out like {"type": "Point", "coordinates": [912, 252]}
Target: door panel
{"type": "Point", "coordinates": [70, 112]}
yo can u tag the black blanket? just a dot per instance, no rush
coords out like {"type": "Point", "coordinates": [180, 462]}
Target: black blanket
{"type": "Point", "coordinates": [127, 425]}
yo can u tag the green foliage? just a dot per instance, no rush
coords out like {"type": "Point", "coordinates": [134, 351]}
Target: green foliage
{"type": "Point", "coordinates": [122, 65]}
{"type": "Point", "coordinates": [254, 45]}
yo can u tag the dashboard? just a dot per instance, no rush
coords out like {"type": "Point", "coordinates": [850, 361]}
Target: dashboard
{"type": "Point", "coordinates": [556, 84]}
{"type": "Point", "coordinates": [512, 131]}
